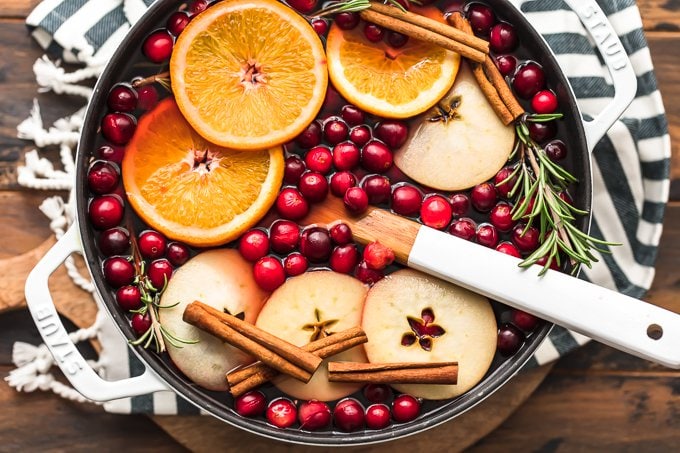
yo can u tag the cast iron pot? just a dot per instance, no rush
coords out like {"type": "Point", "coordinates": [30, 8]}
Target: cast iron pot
{"type": "Point", "coordinates": [161, 375]}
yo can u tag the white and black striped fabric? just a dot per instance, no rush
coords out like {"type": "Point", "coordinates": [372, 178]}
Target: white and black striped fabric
{"type": "Point", "coordinates": [631, 164]}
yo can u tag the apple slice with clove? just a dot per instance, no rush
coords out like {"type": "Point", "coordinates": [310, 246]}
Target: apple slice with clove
{"type": "Point", "coordinates": [413, 317]}
{"type": "Point", "coordinates": [459, 143]}
{"type": "Point", "coordinates": [222, 279]}
{"type": "Point", "coordinates": [308, 307]}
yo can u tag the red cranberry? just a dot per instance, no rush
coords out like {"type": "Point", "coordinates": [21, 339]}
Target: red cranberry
{"type": "Point", "coordinates": [460, 204]}
{"type": "Point", "coordinates": [157, 47]}
{"type": "Point", "coordinates": [295, 264]}
{"type": "Point", "coordinates": [118, 128]}
{"type": "Point", "coordinates": [198, 6]}
{"type": "Point", "coordinates": [319, 159]}
{"type": "Point", "coordinates": [464, 228]}
{"type": "Point", "coordinates": [151, 244]}
{"type": "Point", "coordinates": [487, 235]}
{"type": "Point", "coordinates": [346, 155]}
{"type": "Point", "coordinates": [253, 245]}
{"type": "Point", "coordinates": [344, 258]}
{"type": "Point", "coordinates": [352, 115]}
{"type": "Point", "coordinates": [542, 132]}
{"type": "Point", "coordinates": [320, 26]}
{"type": "Point", "coordinates": [335, 130]}
{"type": "Point", "coordinates": [118, 271]}
{"type": "Point", "coordinates": [523, 320]}
{"type": "Point", "coordinates": [114, 241]}
{"type": "Point", "coordinates": [564, 196]}
{"type": "Point", "coordinates": [510, 339]}
{"type": "Point", "coordinates": [373, 32]}
{"type": "Point", "coordinates": [377, 416]}
{"type": "Point", "coordinates": [377, 256]}
{"type": "Point", "coordinates": [250, 404]}
{"type": "Point", "coordinates": [393, 132]}
{"type": "Point", "coordinates": [295, 167]}
{"type": "Point", "coordinates": [315, 244]}
{"type": "Point", "coordinates": [545, 101]}
{"type": "Point", "coordinates": [111, 153]}
{"type": "Point", "coordinates": [504, 185]}
{"type": "Point", "coordinates": [102, 177]}
{"type": "Point", "coordinates": [360, 135]}
{"type": "Point", "coordinates": [481, 18]}
{"type": "Point", "coordinates": [313, 186]}
{"type": "Point", "coordinates": [436, 212]}
{"type": "Point", "coordinates": [406, 200]}
{"type": "Point", "coordinates": [405, 408]}
{"type": "Point", "coordinates": [506, 64]}
{"type": "Point", "coordinates": [290, 204]}
{"type": "Point", "coordinates": [310, 137]}
{"type": "Point", "coordinates": [396, 40]}
{"type": "Point", "coordinates": [159, 273]}
{"type": "Point", "coordinates": [140, 323]}
{"type": "Point", "coordinates": [509, 249]}
{"type": "Point", "coordinates": [556, 150]}
{"type": "Point", "coordinates": [376, 157]}
{"type": "Point", "coordinates": [122, 98]}
{"type": "Point", "coordinates": [503, 38]}
{"type": "Point", "coordinates": [105, 212]}
{"type": "Point", "coordinates": [501, 217]}
{"type": "Point", "coordinates": [348, 415]}
{"type": "Point", "coordinates": [483, 196]}
{"type": "Point", "coordinates": [332, 101]}
{"type": "Point", "coordinates": [177, 22]}
{"type": "Point", "coordinates": [281, 413]}
{"type": "Point", "coordinates": [377, 188]}
{"type": "Point", "coordinates": [341, 234]}
{"type": "Point", "coordinates": [303, 6]}
{"type": "Point", "coordinates": [377, 393]}
{"type": "Point", "coordinates": [147, 97]}
{"type": "Point", "coordinates": [367, 275]}
{"type": "Point", "coordinates": [526, 241]}
{"type": "Point", "coordinates": [528, 80]}
{"type": "Point", "coordinates": [268, 273]}
{"type": "Point", "coordinates": [341, 182]}
{"type": "Point", "coordinates": [177, 253]}
{"type": "Point", "coordinates": [347, 21]}
{"type": "Point", "coordinates": [355, 200]}
{"type": "Point", "coordinates": [129, 297]}
{"type": "Point", "coordinates": [284, 236]}
{"type": "Point", "coordinates": [314, 415]}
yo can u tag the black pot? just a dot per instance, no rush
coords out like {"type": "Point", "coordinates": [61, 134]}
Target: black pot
{"type": "Point", "coordinates": [162, 375]}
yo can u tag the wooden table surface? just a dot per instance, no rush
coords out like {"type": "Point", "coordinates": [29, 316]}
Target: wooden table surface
{"type": "Point", "coordinates": [593, 399]}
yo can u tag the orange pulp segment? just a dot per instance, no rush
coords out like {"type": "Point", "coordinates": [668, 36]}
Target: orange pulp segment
{"type": "Point", "coordinates": [249, 74]}
{"type": "Point", "coordinates": [388, 82]}
{"type": "Point", "coordinates": [192, 190]}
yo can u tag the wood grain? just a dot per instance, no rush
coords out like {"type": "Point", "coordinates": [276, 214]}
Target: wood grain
{"type": "Point", "coordinates": [660, 15]}
{"type": "Point", "coordinates": [17, 8]}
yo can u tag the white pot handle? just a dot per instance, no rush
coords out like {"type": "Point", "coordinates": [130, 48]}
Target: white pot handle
{"type": "Point", "coordinates": [617, 61]}
{"type": "Point", "coordinates": [81, 376]}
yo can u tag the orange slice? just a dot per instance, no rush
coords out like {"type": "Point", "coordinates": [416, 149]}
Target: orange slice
{"type": "Point", "coordinates": [249, 74]}
{"type": "Point", "coordinates": [192, 190]}
{"type": "Point", "coordinates": [393, 83]}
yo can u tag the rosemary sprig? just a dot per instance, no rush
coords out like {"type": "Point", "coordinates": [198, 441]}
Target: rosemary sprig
{"type": "Point", "coordinates": [157, 334]}
{"type": "Point", "coordinates": [349, 6]}
{"type": "Point", "coordinates": [536, 195]}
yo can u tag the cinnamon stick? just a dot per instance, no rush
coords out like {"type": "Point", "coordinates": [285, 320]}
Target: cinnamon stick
{"type": "Point", "coordinates": [421, 33]}
{"type": "Point", "coordinates": [275, 352]}
{"type": "Point", "coordinates": [394, 373]}
{"type": "Point", "coordinates": [245, 379]}
{"type": "Point", "coordinates": [491, 81]}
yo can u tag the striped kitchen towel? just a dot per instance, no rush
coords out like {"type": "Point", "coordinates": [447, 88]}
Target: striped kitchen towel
{"type": "Point", "coordinates": [631, 164]}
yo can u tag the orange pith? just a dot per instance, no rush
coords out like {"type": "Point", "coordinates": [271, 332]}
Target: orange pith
{"type": "Point", "coordinates": [393, 83]}
{"type": "Point", "coordinates": [192, 190]}
{"type": "Point", "coordinates": [249, 74]}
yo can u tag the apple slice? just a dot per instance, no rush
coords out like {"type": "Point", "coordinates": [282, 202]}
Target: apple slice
{"type": "Point", "coordinates": [413, 317]}
{"type": "Point", "coordinates": [301, 310]}
{"type": "Point", "coordinates": [222, 279]}
{"type": "Point", "coordinates": [465, 146]}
